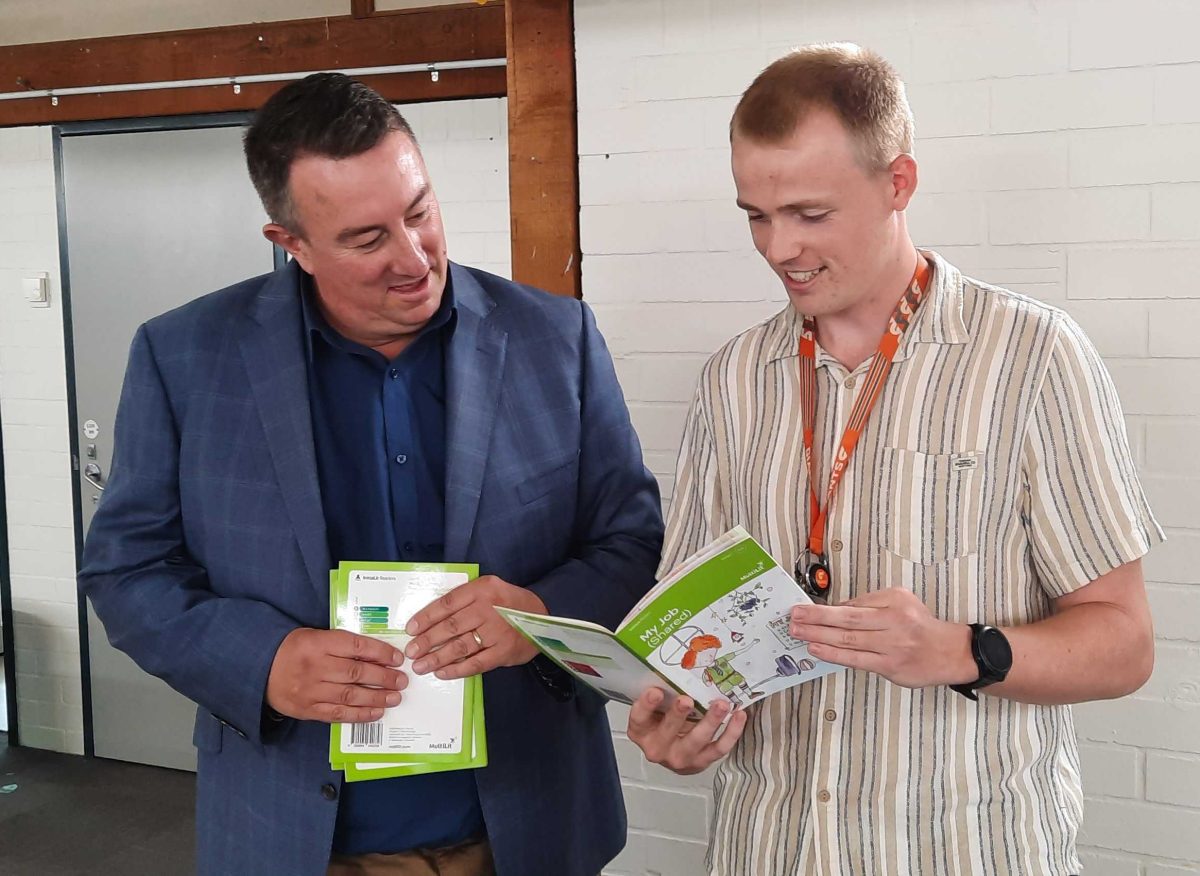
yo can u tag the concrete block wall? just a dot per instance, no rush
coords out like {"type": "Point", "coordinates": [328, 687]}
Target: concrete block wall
{"type": "Point", "coordinates": [465, 144]}
{"type": "Point", "coordinates": [37, 461]}
{"type": "Point", "coordinates": [1058, 144]}
{"type": "Point", "coordinates": [465, 148]}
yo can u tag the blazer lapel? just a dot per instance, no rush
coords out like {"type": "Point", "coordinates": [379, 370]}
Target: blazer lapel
{"type": "Point", "coordinates": [474, 371]}
{"type": "Point", "coordinates": [272, 346]}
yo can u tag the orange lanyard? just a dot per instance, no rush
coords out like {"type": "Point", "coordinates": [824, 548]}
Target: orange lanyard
{"type": "Point", "coordinates": [864, 401]}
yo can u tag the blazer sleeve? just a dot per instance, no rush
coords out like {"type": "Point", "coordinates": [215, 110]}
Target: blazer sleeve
{"type": "Point", "coordinates": [151, 594]}
{"type": "Point", "coordinates": [618, 523]}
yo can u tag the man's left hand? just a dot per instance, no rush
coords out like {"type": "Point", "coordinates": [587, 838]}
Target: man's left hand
{"type": "Point", "coordinates": [889, 632]}
{"type": "Point", "coordinates": [472, 637]}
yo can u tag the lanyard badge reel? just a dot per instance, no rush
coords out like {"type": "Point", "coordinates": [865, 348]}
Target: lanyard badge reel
{"type": "Point", "coordinates": [812, 572]}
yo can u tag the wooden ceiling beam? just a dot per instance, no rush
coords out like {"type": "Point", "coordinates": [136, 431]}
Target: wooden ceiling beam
{"type": "Point", "coordinates": [396, 87]}
{"type": "Point", "coordinates": [450, 33]}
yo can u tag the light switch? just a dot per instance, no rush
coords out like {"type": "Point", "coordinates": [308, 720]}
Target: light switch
{"type": "Point", "coordinates": [37, 289]}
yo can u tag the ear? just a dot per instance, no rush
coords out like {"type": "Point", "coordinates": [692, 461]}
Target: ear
{"type": "Point", "coordinates": [903, 170]}
{"type": "Point", "coordinates": [295, 245]}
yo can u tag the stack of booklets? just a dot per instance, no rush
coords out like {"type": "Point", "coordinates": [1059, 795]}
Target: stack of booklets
{"type": "Point", "coordinates": [438, 725]}
{"type": "Point", "coordinates": [717, 626]}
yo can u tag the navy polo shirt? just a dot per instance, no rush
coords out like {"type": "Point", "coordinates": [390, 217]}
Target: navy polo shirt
{"type": "Point", "coordinates": [379, 427]}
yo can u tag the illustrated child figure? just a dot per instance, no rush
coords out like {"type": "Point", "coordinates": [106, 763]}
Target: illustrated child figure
{"type": "Point", "coordinates": [717, 670]}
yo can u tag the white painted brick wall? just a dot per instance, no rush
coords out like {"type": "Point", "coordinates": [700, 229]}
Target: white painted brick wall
{"type": "Point", "coordinates": [988, 164]}
{"type": "Point", "coordinates": [465, 145]}
{"type": "Point", "coordinates": [1087, 99]}
{"type": "Point", "coordinates": [1059, 145]}
{"type": "Point", "coordinates": [1154, 868]}
{"type": "Point", "coordinates": [1131, 155]}
{"type": "Point", "coordinates": [1162, 270]}
{"type": "Point", "coordinates": [1173, 103]}
{"type": "Point", "coordinates": [1078, 215]}
{"type": "Point", "coordinates": [1172, 778]}
{"type": "Point", "coordinates": [1105, 33]}
{"type": "Point", "coordinates": [1171, 213]}
{"type": "Point", "coordinates": [37, 461]}
{"type": "Point", "coordinates": [1095, 864]}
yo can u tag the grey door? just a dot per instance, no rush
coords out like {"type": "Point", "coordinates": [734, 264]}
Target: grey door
{"type": "Point", "coordinates": [153, 219]}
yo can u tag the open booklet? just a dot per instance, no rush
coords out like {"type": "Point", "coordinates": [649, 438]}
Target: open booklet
{"type": "Point", "coordinates": [716, 626]}
{"type": "Point", "coordinates": [438, 725]}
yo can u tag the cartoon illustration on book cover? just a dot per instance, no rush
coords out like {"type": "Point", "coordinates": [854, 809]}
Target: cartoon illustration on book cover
{"type": "Point", "coordinates": [733, 645]}
{"type": "Point", "coordinates": [717, 669]}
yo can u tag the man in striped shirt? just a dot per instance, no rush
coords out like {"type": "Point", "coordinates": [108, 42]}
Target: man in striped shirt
{"type": "Point", "coordinates": [981, 541]}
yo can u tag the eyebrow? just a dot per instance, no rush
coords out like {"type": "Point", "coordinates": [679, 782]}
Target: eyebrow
{"type": "Point", "coordinates": [796, 206]}
{"type": "Point", "coordinates": [351, 233]}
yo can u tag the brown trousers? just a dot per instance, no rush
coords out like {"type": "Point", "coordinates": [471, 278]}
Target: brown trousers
{"type": "Point", "coordinates": [468, 859]}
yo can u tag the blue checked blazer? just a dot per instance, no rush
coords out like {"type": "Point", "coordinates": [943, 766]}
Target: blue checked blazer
{"type": "Point", "coordinates": [209, 546]}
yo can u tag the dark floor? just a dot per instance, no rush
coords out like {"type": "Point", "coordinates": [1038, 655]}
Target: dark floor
{"type": "Point", "coordinates": [71, 815]}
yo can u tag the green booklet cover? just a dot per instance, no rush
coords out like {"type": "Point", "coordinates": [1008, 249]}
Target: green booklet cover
{"type": "Point", "coordinates": [439, 724]}
{"type": "Point", "coordinates": [717, 626]}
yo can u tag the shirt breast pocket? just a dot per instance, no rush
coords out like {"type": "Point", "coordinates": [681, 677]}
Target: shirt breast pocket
{"type": "Point", "coordinates": [933, 505]}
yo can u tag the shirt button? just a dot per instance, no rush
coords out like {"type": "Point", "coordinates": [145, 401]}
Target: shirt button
{"type": "Point", "coordinates": [830, 715]}
{"type": "Point", "coordinates": [401, 458]}
{"type": "Point", "coordinates": [822, 796]}
{"type": "Point", "coordinates": [329, 792]}
{"type": "Point", "coordinates": [848, 383]}
{"type": "Point", "coordinates": [394, 373]}
{"type": "Point", "coordinates": [837, 544]}
{"type": "Point", "coordinates": [409, 547]}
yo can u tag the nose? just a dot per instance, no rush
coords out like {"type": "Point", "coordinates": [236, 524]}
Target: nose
{"type": "Point", "coordinates": [782, 243]}
{"type": "Point", "coordinates": [407, 256]}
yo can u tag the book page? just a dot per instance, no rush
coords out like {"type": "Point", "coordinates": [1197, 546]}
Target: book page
{"type": "Point", "coordinates": [721, 628]}
{"type": "Point", "coordinates": [590, 653]}
{"type": "Point", "coordinates": [701, 556]}
{"type": "Point", "coordinates": [369, 770]}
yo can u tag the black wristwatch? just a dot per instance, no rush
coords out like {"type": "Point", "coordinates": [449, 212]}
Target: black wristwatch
{"type": "Point", "coordinates": [993, 656]}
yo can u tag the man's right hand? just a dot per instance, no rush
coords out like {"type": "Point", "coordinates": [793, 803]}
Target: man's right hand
{"type": "Point", "coordinates": [334, 676]}
{"type": "Point", "coordinates": [670, 740]}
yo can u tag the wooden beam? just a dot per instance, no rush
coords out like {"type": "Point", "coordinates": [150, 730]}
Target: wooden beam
{"type": "Point", "coordinates": [542, 144]}
{"type": "Point", "coordinates": [451, 33]}
{"type": "Point", "coordinates": [362, 8]}
{"type": "Point", "coordinates": [397, 87]}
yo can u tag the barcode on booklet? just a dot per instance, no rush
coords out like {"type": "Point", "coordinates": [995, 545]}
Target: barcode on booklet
{"type": "Point", "coordinates": [367, 734]}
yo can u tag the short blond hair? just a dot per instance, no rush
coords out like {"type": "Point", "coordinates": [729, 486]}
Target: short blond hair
{"type": "Point", "coordinates": [858, 85]}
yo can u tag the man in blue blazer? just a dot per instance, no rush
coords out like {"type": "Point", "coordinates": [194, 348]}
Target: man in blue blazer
{"type": "Point", "coordinates": [372, 401]}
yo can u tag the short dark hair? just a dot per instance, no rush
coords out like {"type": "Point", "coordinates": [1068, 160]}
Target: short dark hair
{"type": "Point", "coordinates": [859, 86]}
{"type": "Point", "coordinates": [324, 114]}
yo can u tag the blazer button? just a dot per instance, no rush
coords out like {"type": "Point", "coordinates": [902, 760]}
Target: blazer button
{"type": "Point", "coordinates": [329, 792]}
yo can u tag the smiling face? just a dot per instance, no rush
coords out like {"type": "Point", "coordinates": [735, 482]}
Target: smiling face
{"type": "Point", "coordinates": [372, 239]}
{"type": "Point", "coordinates": [832, 230]}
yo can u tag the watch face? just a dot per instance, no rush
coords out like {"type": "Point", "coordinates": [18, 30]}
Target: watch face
{"type": "Point", "coordinates": [995, 650]}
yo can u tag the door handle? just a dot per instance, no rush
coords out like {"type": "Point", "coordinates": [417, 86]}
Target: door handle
{"type": "Point", "coordinates": [91, 474]}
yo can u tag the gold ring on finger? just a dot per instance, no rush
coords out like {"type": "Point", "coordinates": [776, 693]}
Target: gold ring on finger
{"type": "Point", "coordinates": [475, 636]}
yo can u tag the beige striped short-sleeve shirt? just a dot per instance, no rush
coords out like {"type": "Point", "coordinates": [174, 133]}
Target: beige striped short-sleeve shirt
{"type": "Point", "coordinates": [993, 476]}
